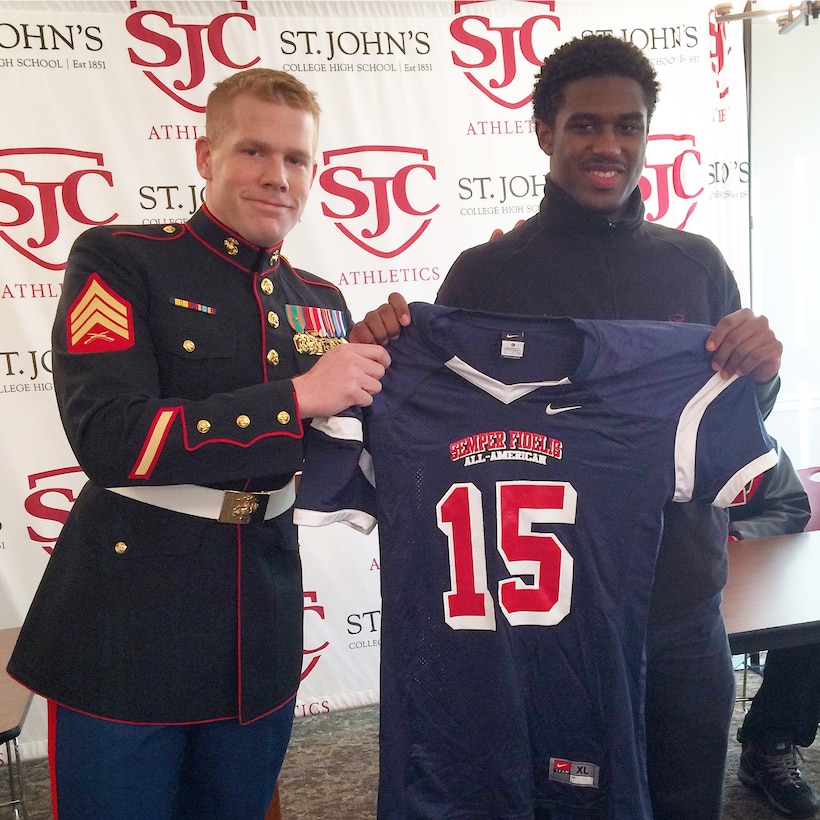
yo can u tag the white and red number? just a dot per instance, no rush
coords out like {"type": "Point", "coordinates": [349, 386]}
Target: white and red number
{"type": "Point", "coordinates": [543, 601]}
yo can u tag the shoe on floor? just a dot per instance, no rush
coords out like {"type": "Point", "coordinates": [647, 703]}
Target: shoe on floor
{"type": "Point", "coordinates": [773, 771]}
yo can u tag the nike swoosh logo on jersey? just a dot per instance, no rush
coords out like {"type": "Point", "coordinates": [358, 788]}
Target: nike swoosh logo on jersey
{"type": "Point", "coordinates": [551, 411]}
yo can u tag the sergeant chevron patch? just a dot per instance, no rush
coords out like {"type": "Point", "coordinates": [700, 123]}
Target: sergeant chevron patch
{"type": "Point", "coordinates": [99, 321]}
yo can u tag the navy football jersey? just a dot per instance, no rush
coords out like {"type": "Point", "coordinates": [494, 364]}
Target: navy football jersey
{"type": "Point", "coordinates": [521, 467]}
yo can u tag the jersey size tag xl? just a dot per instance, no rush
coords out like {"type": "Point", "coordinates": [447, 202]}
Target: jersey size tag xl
{"type": "Point", "coordinates": [574, 773]}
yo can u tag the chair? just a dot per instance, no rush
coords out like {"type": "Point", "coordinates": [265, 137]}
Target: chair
{"type": "Point", "coordinates": [14, 702]}
{"type": "Point", "coordinates": [810, 476]}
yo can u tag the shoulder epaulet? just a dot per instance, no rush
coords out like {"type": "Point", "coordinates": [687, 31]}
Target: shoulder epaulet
{"type": "Point", "coordinates": [171, 230]}
{"type": "Point", "coordinates": [310, 278]}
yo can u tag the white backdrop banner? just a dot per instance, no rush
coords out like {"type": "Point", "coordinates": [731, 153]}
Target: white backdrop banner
{"type": "Point", "coordinates": [426, 148]}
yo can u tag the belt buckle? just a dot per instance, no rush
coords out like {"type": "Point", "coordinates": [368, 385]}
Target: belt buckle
{"type": "Point", "coordinates": [242, 508]}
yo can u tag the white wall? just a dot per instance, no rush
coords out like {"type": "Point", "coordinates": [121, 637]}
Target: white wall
{"type": "Point", "coordinates": [785, 178]}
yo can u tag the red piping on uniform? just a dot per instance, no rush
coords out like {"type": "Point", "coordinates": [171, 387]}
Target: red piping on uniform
{"type": "Point", "coordinates": [52, 756]}
{"type": "Point", "coordinates": [239, 620]}
{"type": "Point", "coordinates": [312, 282]}
{"type": "Point", "coordinates": [192, 447]}
{"type": "Point", "coordinates": [262, 327]}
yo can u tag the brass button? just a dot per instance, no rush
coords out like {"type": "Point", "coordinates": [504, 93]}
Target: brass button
{"type": "Point", "coordinates": [243, 421]}
{"type": "Point", "coordinates": [273, 357]}
{"type": "Point", "coordinates": [189, 345]}
{"type": "Point", "coordinates": [203, 425]}
{"type": "Point", "coordinates": [169, 229]}
{"type": "Point", "coordinates": [274, 257]}
{"type": "Point", "coordinates": [283, 417]}
{"type": "Point", "coordinates": [120, 547]}
{"type": "Point", "coordinates": [267, 286]}
{"type": "Point", "coordinates": [273, 319]}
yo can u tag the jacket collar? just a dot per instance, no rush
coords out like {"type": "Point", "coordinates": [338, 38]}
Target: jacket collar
{"type": "Point", "coordinates": [229, 245]}
{"type": "Point", "coordinates": [559, 212]}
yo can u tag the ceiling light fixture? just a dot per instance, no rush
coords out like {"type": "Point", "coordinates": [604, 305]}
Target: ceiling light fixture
{"type": "Point", "coordinates": [787, 17]}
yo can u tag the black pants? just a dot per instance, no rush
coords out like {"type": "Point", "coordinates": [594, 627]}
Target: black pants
{"type": "Point", "coordinates": [689, 701]}
{"type": "Point", "coordinates": [787, 705]}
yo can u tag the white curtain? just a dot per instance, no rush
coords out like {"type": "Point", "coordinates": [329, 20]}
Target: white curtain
{"type": "Point", "coordinates": [785, 122]}
{"type": "Point", "coordinates": [426, 148]}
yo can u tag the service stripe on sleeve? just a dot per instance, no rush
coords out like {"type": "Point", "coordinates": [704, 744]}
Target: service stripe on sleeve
{"type": "Point", "coordinates": [154, 442]}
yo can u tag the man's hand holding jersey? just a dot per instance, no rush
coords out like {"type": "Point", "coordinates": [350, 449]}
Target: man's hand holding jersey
{"type": "Point", "coordinates": [346, 375]}
{"type": "Point", "coordinates": [744, 343]}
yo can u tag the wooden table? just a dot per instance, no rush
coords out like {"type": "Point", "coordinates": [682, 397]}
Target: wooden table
{"type": "Point", "coordinates": [772, 598]}
{"type": "Point", "coordinates": [14, 702]}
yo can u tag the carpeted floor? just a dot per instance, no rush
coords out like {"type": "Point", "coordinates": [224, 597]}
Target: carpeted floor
{"type": "Point", "coordinates": [331, 771]}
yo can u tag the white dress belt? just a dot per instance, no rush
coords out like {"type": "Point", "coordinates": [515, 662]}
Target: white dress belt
{"type": "Point", "coordinates": [225, 506]}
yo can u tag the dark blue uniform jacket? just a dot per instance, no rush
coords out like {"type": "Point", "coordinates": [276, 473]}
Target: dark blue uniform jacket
{"type": "Point", "coordinates": [174, 350]}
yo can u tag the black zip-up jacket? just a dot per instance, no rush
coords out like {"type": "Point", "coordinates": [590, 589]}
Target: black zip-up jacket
{"type": "Point", "coordinates": [568, 261]}
{"type": "Point", "coordinates": [775, 504]}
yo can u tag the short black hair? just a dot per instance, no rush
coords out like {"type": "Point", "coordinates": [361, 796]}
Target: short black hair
{"type": "Point", "coordinates": [595, 55]}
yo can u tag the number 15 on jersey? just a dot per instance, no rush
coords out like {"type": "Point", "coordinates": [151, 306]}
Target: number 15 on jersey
{"type": "Point", "coordinates": [546, 599]}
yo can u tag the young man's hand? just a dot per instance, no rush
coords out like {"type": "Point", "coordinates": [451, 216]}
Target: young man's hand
{"type": "Point", "coordinates": [384, 323]}
{"type": "Point", "coordinates": [744, 343]}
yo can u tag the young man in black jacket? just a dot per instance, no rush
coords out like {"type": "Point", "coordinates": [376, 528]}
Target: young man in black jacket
{"type": "Point", "coordinates": [590, 253]}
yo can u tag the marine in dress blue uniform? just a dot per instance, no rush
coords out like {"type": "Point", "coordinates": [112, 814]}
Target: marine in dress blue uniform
{"type": "Point", "coordinates": [167, 627]}
{"type": "Point", "coordinates": [174, 350]}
